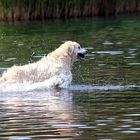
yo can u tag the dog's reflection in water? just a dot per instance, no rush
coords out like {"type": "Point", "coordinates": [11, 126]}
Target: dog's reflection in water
{"type": "Point", "coordinates": [54, 110]}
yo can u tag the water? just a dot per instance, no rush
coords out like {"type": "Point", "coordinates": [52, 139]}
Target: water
{"type": "Point", "coordinates": [103, 102]}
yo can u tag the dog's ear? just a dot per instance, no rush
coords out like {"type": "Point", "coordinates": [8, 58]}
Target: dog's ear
{"type": "Point", "coordinates": [71, 49]}
{"type": "Point", "coordinates": [68, 47]}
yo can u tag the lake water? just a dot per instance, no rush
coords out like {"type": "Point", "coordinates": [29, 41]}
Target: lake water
{"type": "Point", "coordinates": [103, 102]}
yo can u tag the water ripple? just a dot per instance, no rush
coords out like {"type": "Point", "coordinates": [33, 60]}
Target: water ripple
{"type": "Point", "coordinates": [108, 52]}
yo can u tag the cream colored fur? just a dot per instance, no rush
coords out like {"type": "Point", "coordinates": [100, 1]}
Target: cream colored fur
{"type": "Point", "coordinates": [58, 62]}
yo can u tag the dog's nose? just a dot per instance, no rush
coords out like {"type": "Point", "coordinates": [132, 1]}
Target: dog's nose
{"type": "Point", "coordinates": [86, 52]}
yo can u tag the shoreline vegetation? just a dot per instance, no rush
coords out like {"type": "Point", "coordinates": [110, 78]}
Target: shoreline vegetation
{"type": "Point", "coordinates": [16, 10]}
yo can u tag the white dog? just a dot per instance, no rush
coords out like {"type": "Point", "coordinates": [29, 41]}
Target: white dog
{"type": "Point", "coordinates": [56, 64]}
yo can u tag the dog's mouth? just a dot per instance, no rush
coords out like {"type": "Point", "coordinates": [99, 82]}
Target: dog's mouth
{"type": "Point", "coordinates": [81, 55]}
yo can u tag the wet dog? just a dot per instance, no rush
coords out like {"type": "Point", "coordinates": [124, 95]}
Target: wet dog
{"type": "Point", "coordinates": [57, 63]}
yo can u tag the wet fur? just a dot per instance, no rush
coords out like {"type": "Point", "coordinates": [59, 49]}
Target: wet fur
{"type": "Point", "coordinates": [58, 62]}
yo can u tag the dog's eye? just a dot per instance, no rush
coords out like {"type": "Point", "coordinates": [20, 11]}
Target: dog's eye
{"type": "Point", "coordinates": [79, 47]}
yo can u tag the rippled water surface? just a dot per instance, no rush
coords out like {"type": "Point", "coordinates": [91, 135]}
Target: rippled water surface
{"type": "Point", "coordinates": [103, 102]}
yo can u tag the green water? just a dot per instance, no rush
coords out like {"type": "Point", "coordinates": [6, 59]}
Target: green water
{"type": "Point", "coordinates": [104, 101]}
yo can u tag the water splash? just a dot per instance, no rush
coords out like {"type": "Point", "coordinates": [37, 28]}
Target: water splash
{"type": "Point", "coordinates": [102, 88]}
{"type": "Point", "coordinates": [49, 85]}
{"type": "Point", "coordinates": [58, 81]}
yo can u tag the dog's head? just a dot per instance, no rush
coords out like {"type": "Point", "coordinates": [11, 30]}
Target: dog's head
{"type": "Point", "coordinates": [68, 52]}
{"type": "Point", "coordinates": [73, 49]}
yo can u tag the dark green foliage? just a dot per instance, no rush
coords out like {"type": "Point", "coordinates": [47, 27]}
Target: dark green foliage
{"type": "Point", "coordinates": [42, 9]}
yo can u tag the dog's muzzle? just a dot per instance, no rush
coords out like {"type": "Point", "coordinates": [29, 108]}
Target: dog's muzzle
{"type": "Point", "coordinates": [82, 53]}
